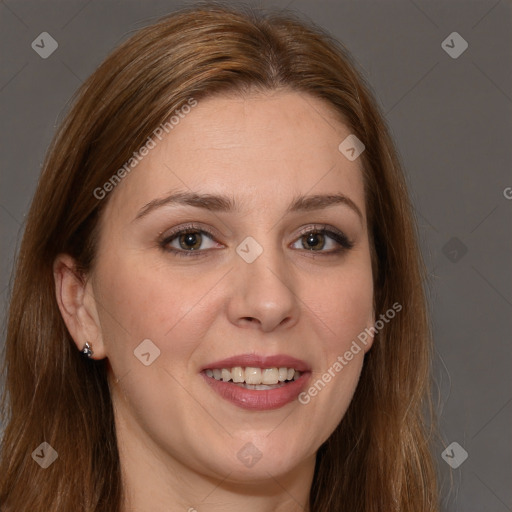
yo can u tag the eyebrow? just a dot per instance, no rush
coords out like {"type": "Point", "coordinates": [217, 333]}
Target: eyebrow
{"type": "Point", "coordinates": [220, 203]}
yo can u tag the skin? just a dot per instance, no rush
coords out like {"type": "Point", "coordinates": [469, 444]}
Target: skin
{"type": "Point", "coordinates": [178, 439]}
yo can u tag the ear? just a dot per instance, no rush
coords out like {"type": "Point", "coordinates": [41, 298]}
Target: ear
{"type": "Point", "coordinates": [75, 297]}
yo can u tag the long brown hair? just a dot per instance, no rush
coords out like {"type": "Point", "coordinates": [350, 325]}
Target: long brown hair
{"type": "Point", "coordinates": [379, 456]}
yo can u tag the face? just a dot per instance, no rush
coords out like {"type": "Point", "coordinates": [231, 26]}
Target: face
{"type": "Point", "coordinates": [257, 273]}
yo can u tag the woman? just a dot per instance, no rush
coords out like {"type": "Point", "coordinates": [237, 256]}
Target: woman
{"type": "Point", "coordinates": [218, 298]}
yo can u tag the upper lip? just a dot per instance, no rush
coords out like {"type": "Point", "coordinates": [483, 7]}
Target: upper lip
{"type": "Point", "coordinates": [259, 361]}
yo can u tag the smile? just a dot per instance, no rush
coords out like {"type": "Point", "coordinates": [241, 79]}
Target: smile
{"type": "Point", "coordinates": [253, 376]}
{"type": "Point", "coordinates": [257, 381]}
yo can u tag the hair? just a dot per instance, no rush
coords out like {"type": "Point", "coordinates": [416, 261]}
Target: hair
{"type": "Point", "coordinates": [379, 456]}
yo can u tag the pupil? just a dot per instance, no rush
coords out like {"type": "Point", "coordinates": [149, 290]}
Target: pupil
{"type": "Point", "coordinates": [190, 241]}
{"type": "Point", "coordinates": [314, 239]}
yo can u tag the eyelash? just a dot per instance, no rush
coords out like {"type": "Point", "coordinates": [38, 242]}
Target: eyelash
{"type": "Point", "coordinates": [339, 237]}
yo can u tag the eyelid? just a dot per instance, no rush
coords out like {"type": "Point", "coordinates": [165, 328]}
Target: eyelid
{"type": "Point", "coordinates": [190, 226]}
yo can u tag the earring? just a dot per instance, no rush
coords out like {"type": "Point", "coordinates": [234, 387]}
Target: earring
{"type": "Point", "coordinates": [87, 350]}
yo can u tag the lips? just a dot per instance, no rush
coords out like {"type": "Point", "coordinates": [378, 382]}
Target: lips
{"type": "Point", "coordinates": [258, 399]}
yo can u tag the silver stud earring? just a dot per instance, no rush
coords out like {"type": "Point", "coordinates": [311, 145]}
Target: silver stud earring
{"type": "Point", "coordinates": [87, 350]}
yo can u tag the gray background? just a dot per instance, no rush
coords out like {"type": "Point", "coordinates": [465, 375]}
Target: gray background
{"type": "Point", "coordinates": [451, 120]}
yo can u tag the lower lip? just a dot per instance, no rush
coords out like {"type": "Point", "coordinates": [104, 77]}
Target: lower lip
{"type": "Point", "coordinates": [255, 399]}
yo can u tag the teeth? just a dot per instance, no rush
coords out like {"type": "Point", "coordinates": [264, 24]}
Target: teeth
{"type": "Point", "coordinates": [270, 376]}
{"type": "Point", "coordinates": [253, 377]}
{"type": "Point", "coordinates": [238, 374]}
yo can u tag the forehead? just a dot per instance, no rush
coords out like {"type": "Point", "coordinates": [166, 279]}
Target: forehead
{"type": "Point", "coordinates": [263, 148]}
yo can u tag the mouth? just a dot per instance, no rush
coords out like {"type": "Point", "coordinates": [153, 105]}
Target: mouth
{"type": "Point", "coordinates": [257, 382]}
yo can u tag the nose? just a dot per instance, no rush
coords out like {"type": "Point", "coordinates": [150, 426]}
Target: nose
{"type": "Point", "coordinates": [264, 293]}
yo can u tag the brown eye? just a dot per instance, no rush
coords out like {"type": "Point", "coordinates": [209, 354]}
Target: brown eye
{"type": "Point", "coordinates": [313, 241]}
{"type": "Point", "coordinates": [324, 241]}
{"type": "Point", "coordinates": [190, 241]}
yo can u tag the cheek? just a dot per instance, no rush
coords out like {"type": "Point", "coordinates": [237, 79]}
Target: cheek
{"type": "Point", "coordinates": [341, 307]}
{"type": "Point", "coordinates": [342, 310]}
{"type": "Point", "coordinates": [149, 303]}
{"type": "Point", "coordinates": [343, 304]}
{"type": "Point", "coordinates": [141, 301]}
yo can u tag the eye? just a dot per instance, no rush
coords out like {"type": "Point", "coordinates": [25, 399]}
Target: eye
{"type": "Point", "coordinates": [189, 241]}
{"type": "Point", "coordinates": [323, 240]}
